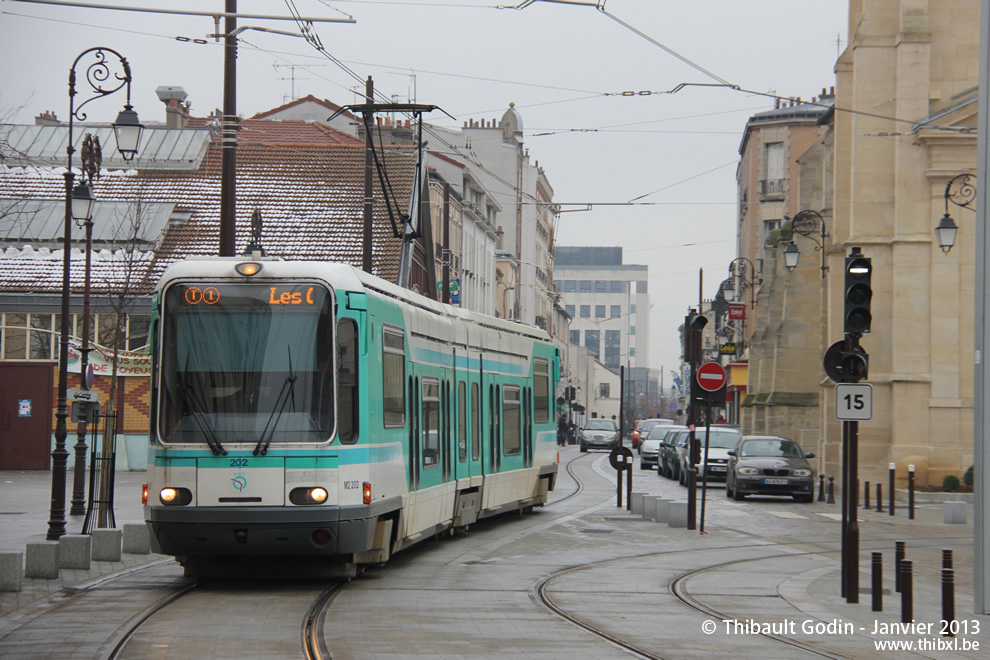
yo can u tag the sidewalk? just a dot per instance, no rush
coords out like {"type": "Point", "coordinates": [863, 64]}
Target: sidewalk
{"type": "Point", "coordinates": [25, 500]}
{"type": "Point", "coordinates": [25, 505]}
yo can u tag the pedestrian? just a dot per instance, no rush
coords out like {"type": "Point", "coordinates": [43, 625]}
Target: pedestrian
{"type": "Point", "coordinates": [562, 428]}
{"type": "Point", "coordinates": [721, 420]}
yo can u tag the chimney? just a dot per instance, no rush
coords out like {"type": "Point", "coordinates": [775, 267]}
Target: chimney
{"type": "Point", "coordinates": [176, 114]}
{"type": "Point", "coordinates": [47, 118]}
{"type": "Point", "coordinates": [176, 110]}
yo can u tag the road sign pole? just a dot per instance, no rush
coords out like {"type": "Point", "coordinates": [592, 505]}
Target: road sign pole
{"type": "Point", "coordinates": [704, 466]}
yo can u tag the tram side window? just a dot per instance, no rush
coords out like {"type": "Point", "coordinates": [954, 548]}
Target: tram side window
{"type": "Point", "coordinates": [475, 422]}
{"type": "Point", "coordinates": [393, 377]}
{"type": "Point", "coordinates": [541, 388]}
{"type": "Point", "coordinates": [511, 418]}
{"type": "Point", "coordinates": [347, 381]}
{"type": "Point", "coordinates": [462, 421]}
{"type": "Point", "coordinates": [431, 423]}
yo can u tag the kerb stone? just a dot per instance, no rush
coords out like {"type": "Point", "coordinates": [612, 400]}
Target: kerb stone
{"type": "Point", "coordinates": [75, 551]}
{"type": "Point", "coordinates": [41, 560]}
{"type": "Point", "coordinates": [107, 544]}
{"type": "Point", "coordinates": [136, 539]}
{"type": "Point", "coordinates": [11, 571]}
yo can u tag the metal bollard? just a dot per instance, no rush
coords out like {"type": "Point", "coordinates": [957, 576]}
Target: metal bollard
{"type": "Point", "coordinates": [877, 585]}
{"type": "Point", "coordinates": [948, 601]}
{"type": "Point", "coordinates": [821, 487]}
{"type": "Point", "coordinates": [899, 551]}
{"type": "Point", "coordinates": [879, 498]}
{"type": "Point", "coordinates": [629, 480]}
{"type": "Point", "coordinates": [907, 591]}
{"type": "Point", "coordinates": [910, 492]}
{"type": "Point", "coordinates": [831, 490]}
{"type": "Point", "coordinates": [946, 558]}
{"type": "Point", "coordinates": [866, 495]}
{"type": "Point", "coordinates": [893, 492]}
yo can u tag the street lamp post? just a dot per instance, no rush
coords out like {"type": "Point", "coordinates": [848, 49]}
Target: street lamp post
{"type": "Point", "coordinates": [805, 223]}
{"type": "Point", "coordinates": [961, 191]}
{"type": "Point", "coordinates": [103, 79]}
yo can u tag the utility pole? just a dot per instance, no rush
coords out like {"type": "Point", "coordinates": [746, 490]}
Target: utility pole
{"type": "Point", "coordinates": [369, 154]}
{"type": "Point", "coordinates": [228, 139]}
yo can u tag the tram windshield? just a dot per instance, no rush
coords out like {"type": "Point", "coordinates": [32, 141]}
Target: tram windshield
{"type": "Point", "coordinates": [246, 363]}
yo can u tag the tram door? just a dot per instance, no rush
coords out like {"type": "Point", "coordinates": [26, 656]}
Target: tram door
{"type": "Point", "coordinates": [469, 402]}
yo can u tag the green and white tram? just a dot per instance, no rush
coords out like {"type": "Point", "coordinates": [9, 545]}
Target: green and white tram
{"type": "Point", "coordinates": [307, 409]}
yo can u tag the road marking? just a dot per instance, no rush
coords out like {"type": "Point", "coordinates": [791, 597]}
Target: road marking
{"type": "Point", "coordinates": [787, 514]}
{"type": "Point", "coordinates": [734, 512]}
{"type": "Point", "coordinates": [833, 516]}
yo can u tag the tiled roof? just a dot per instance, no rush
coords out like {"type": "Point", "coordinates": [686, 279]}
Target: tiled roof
{"type": "Point", "coordinates": [283, 131]}
{"type": "Point", "coordinates": [329, 105]}
{"type": "Point", "coordinates": [310, 198]}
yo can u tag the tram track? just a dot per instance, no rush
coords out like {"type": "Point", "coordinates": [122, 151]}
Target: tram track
{"type": "Point", "coordinates": [678, 587]}
{"type": "Point", "coordinates": [313, 641]}
{"type": "Point", "coordinates": [579, 485]}
{"type": "Point", "coordinates": [130, 628]}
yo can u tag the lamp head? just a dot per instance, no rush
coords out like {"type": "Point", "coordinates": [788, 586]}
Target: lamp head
{"type": "Point", "coordinates": [945, 233]}
{"type": "Point", "coordinates": [791, 255]}
{"type": "Point", "coordinates": [82, 202]}
{"type": "Point", "coordinates": [127, 129]}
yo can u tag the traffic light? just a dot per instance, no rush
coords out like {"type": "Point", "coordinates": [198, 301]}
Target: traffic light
{"type": "Point", "coordinates": [694, 323]}
{"type": "Point", "coordinates": [854, 365]}
{"type": "Point", "coordinates": [858, 293]}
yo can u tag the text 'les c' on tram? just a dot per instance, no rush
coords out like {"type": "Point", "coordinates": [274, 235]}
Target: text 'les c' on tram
{"type": "Point", "coordinates": [311, 411]}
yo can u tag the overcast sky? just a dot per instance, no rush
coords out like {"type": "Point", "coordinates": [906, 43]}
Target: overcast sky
{"type": "Point", "coordinates": [564, 66]}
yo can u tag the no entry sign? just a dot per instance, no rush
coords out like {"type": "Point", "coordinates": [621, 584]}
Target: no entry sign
{"type": "Point", "coordinates": [711, 376]}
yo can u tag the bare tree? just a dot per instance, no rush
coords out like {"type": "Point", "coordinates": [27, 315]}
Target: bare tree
{"type": "Point", "coordinates": [123, 283]}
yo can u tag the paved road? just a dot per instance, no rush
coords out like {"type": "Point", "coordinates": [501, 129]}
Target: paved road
{"type": "Point", "coordinates": [764, 562]}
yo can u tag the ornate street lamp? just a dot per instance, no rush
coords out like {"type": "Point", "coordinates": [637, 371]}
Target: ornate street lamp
{"type": "Point", "coordinates": [807, 223]}
{"type": "Point", "coordinates": [743, 269]}
{"type": "Point", "coordinates": [103, 79]}
{"type": "Point", "coordinates": [961, 191]}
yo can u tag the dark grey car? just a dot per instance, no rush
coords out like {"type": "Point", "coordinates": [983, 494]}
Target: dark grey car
{"type": "Point", "coordinates": [769, 465]}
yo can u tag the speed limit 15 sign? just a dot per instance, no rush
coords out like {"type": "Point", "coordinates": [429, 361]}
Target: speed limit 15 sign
{"type": "Point", "coordinates": [853, 401]}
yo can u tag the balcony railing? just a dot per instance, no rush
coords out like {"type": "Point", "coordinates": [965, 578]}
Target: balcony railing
{"type": "Point", "coordinates": [771, 188]}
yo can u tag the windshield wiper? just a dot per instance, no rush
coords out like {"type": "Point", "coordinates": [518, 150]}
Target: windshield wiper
{"type": "Point", "coordinates": [288, 390]}
{"type": "Point", "coordinates": [198, 409]}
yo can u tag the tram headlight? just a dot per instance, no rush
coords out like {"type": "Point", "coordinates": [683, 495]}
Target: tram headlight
{"type": "Point", "coordinates": [310, 496]}
{"type": "Point", "coordinates": [248, 268]}
{"type": "Point", "coordinates": [170, 496]}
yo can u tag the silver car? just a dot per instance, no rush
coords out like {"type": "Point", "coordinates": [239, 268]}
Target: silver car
{"type": "Point", "coordinates": [600, 434]}
{"type": "Point", "coordinates": [769, 465]}
{"type": "Point", "coordinates": [649, 449]}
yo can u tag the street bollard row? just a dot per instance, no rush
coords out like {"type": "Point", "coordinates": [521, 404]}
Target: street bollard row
{"type": "Point", "coordinates": [45, 559]}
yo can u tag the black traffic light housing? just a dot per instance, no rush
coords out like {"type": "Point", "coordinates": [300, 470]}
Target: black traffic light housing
{"type": "Point", "coordinates": [858, 293]}
{"type": "Point", "coordinates": [854, 365]}
{"type": "Point", "coordinates": [694, 323]}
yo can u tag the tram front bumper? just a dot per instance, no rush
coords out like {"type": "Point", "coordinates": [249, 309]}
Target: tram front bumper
{"type": "Point", "coordinates": [258, 531]}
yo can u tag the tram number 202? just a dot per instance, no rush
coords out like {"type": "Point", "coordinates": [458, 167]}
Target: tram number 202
{"type": "Point", "coordinates": [352, 485]}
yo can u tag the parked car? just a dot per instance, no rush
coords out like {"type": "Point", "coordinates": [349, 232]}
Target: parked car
{"type": "Point", "coordinates": [643, 428]}
{"type": "Point", "coordinates": [650, 447]}
{"type": "Point", "coordinates": [667, 459]}
{"type": "Point", "coordinates": [721, 440]}
{"type": "Point", "coordinates": [769, 465]}
{"type": "Point", "coordinates": [600, 434]}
